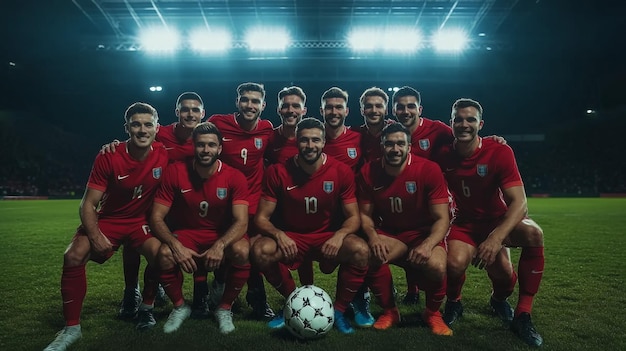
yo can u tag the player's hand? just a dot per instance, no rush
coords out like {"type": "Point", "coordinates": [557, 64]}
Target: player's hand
{"type": "Point", "coordinates": [498, 139]}
{"type": "Point", "coordinates": [380, 249]}
{"type": "Point", "coordinates": [487, 252]}
{"type": "Point", "coordinates": [184, 257]}
{"type": "Point", "coordinates": [110, 147]}
{"type": "Point", "coordinates": [101, 245]}
{"type": "Point", "coordinates": [419, 255]}
{"type": "Point", "coordinates": [212, 258]}
{"type": "Point", "coordinates": [287, 246]}
{"type": "Point", "coordinates": [331, 247]}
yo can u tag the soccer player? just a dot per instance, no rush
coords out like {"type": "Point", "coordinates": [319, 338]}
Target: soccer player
{"type": "Point", "coordinates": [491, 214]}
{"type": "Point", "coordinates": [207, 204]}
{"type": "Point", "coordinates": [409, 195]}
{"type": "Point", "coordinates": [309, 210]}
{"type": "Point", "coordinates": [291, 109]}
{"type": "Point", "coordinates": [245, 139]}
{"type": "Point", "coordinates": [113, 211]}
{"type": "Point", "coordinates": [373, 103]}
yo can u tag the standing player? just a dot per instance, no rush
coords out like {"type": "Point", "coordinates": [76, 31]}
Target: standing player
{"type": "Point", "coordinates": [113, 211]}
{"type": "Point", "coordinates": [410, 196]}
{"type": "Point", "coordinates": [207, 202]}
{"type": "Point", "coordinates": [492, 213]}
{"type": "Point", "coordinates": [311, 198]}
{"type": "Point", "coordinates": [373, 103]}
{"type": "Point", "coordinates": [245, 138]}
{"type": "Point", "coordinates": [291, 109]}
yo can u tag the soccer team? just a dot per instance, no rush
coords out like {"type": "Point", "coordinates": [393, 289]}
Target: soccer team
{"type": "Point", "coordinates": [239, 198]}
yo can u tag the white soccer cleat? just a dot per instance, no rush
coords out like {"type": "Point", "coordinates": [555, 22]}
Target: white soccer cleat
{"type": "Point", "coordinates": [224, 320]}
{"type": "Point", "coordinates": [176, 318]}
{"type": "Point", "coordinates": [66, 337]}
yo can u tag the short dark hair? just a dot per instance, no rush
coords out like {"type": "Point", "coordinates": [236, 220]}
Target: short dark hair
{"type": "Point", "coordinates": [335, 92]}
{"type": "Point", "coordinates": [407, 91]}
{"type": "Point", "coordinates": [374, 91]}
{"type": "Point", "coordinates": [293, 90]}
{"type": "Point", "coordinates": [395, 128]}
{"type": "Point", "coordinates": [206, 128]}
{"type": "Point", "coordinates": [189, 95]}
{"type": "Point", "coordinates": [310, 123]}
{"type": "Point", "coordinates": [249, 86]}
{"type": "Point", "coordinates": [141, 107]}
{"type": "Point", "coordinates": [465, 102]}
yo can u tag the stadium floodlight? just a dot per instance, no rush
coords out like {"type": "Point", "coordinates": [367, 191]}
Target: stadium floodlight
{"type": "Point", "coordinates": [159, 39]}
{"type": "Point", "coordinates": [267, 39]}
{"type": "Point", "coordinates": [156, 88]}
{"type": "Point", "coordinates": [364, 39]}
{"type": "Point", "coordinates": [450, 40]}
{"type": "Point", "coordinates": [214, 41]}
{"type": "Point", "coordinates": [406, 40]}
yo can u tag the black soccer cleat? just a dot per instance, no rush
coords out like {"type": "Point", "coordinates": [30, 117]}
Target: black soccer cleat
{"type": "Point", "coordinates": [523, 327]}
{"type": "Point", "coordinates": [502, 309]}
{"type": "Point", "coordinates": [257, 299]}
{"type": "Point", "coordinates": [452, 312]}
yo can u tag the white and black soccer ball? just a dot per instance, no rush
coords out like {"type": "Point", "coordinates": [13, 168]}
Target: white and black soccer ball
{"type": "Point", "coordinates": [309, 312]}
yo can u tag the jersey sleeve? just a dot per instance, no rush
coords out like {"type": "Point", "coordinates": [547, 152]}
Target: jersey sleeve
{"type": "Point", "coordinates": [165, 193]}
{"type": "Point", "coordinates": [506, 166]}
{"type": "Point", "coordinates": [438, 192]}
{"type": "Point", "coordinates": [100, 173]}
{"type": "Point", "coordinates": [348, 185]}
{"type": "Point", "coordinates": [364, 193]}
{"type": "Point", "coordinates": [239, 186]}
{"type": "Point", "coordinates": [271, 184]}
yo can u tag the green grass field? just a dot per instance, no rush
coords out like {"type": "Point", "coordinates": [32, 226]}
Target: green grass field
{"type": "Point", "coordinates": [580, 305]}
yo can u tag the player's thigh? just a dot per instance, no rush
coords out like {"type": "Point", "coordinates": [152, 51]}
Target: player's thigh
{"type": "Point", "coordinates": [527, 233]}
{"type": "Point", "coordinates": [397, 249]}
{"type": "Point", "coordinates": [77, 252]}
{"type": "Point", "coordinates": [437, 262]}
{"type": "Point", "coordinates": [150, 249]}
{"type": "Point", "coordinates": [238, 252]}
{"type": "Point", "coordinates": [354, 250]}
{"type": "Point", "coordinates": [501, 267]}
{"type": "Point", "coordinates": [265, 250]}
{"type": "Point", "coordinates": [459, 256]}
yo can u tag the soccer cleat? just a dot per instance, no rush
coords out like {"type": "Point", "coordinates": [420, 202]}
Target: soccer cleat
{"type": "Point", "coordinates": [502, 309]}
{"type": "Point", "coordinates": [215, 294]}
{"type": "Point", "coordinates": [130, 303]}
{"type": "Point", "coordinates": [523, 327]}
{"type": "Point", "coordinates": [200, 309]}
{"type": "Point", "coordinates": [257, 299]}
{"type": "Point", "coordinates": [361, 306]}
{"type": "Point", "coordinates": [176, 318]}
{"type": "Point", "coordinates": [388, 319]}
{"type": "Point", "coordinates": [436, 324]}
{"type": "Point", "coordinates": [66, 337]}
{"type": "Point", "coordinates": [224, 320]}
{"type": "Point", "coordinates": [342, 324]}
{"type": "Point", "coordinates": [411, 298]}
{"type": "Point", "coordinates": [452, 312]}
{"type": "Point", "coordinates": [145, 320]}
{"type": "Point", "coordinates": [278, 321]}
{"type": "Point", "coordinates": [161, 297]}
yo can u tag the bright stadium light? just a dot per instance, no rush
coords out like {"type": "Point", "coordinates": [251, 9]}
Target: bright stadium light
{"type": "Point", "coordinates": [267, 39]}
{"type": "Point", "coordinates": [451, 40]}
{"type": "Point", "coordinates": [405, 40]}
{"type": "Point", "coordinates": [156, 88]}
{"type": "Point", "coordinates": [159, 39]}
{"type": "Point", "coordinates": [362, 39]}
{"type": "Point", "coordinates": [203, 40]}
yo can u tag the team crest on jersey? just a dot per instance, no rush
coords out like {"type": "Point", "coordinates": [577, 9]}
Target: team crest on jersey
{"type": "Point", "coordinates": [258, 143]}
{"type": "Point", "coordinates": [410, 187]}
{"type": "Point", "coordinates": [424, 144]}
{"type": "Point", "coordinates": [481, 170]}
{"type": "Point", "coordinates": [329, 186]}
{"type": "Point", "coordinates": [352, 153]}
{"type": "Point", "coordinates": [156, 173]}
{"type": "Point", "coordinates": [221, 193]}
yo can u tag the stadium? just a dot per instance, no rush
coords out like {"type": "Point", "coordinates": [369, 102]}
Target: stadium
{"type": "Point", "coordinates": [549, 74]}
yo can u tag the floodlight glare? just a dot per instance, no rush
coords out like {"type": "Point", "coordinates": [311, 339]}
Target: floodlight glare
{"type": "Point", "coordinates": [267, 39]}
{"type": "Point", "coordinates": [362, 39]}
{"type": "Point", "coordinates": [159, 39]}
{"type": "Point", "coordinates": [451, 40]}
{"type": "Point", "coordinates": [401, 40]}
{"type": "Point", "coordinates": [204, 40]}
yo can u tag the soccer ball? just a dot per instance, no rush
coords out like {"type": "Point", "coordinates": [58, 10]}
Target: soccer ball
{"type": "Point", "coordinates": [309, 312]}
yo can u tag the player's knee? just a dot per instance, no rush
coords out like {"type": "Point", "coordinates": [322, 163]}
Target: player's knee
{"type": "Point", "coordinates": [240, 252]}
{"type": "Point", "coordinates": [456, 265]}
{"type": "Point", "coordinates": [259, 254]}
{"type": "Point", "coordinates": [73, 258]}
{"type": "Point", "coordinates": [165, 258]}
{"type": "Point", "coordinates": [534, 236]}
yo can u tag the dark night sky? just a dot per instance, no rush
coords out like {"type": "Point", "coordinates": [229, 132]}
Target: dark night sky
{"type": "Point", "coordinates": [563, 58]}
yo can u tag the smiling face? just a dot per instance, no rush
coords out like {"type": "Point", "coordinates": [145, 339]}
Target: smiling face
{"type": "Point", "coordinates": [291, 110]}
{"type": "Point", "coordinates": [396, 148]}
{"type": "Point", "coordinates": [250, 104]}
{"type": "Point", "coordinates": [334, 110]}
{"type": "Point", "coordinates": [190, 113]}
{"type": "Point", "coordinates": [466, 123]}
{"type": "Point", "coordinates": [407, 110]}
{"type": "Point", "coordinates": [207, 148]}
{"type": "Point", "coordinates": [141, 128]}
{"type": "Point", "coordinates": [374, 110]}
{"type": "Point", "coordinates": [311, 143]}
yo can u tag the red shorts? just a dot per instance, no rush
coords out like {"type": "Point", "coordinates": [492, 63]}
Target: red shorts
{"type": "Point", "coordinates": [132, 233]}
{"type": "Point", "coordinates": [473, 233]}
{"type": "Point", "coordinates": [309, 247]}
{"type": "Point", "coordinates": [197, 240]}
{"type": "Point", "coordinates": [412, 238]}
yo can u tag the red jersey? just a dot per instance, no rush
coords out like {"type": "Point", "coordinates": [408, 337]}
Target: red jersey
{"type": "Point", "coordinates": [370, 144]}
{"type": "Point", "coordinates": [198, 203]}
{"type": "Point", "coordinates": [429, 137]}
{"type": "Point", "coordinates": [309, 203]}
{"type": "Point", "coordinates": [128, 184]}
{"type": "Point", "coordinates": [403, 201]}
{"type": "Point", "coordinates": [280, 148]}
{"type": "Point", "coordinates": [244, 150]}
{"type": "Point", "coordinates": [177, 150]}
{"type": "Point", "coordinates": [345, 148]}
{"type": "Point", "coordinates": [477, 182]}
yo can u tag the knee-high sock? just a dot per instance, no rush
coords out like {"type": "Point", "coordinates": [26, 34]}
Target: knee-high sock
{"type": "Point", "coordinates": [73, 291]}
{"type": "Point", "coordinates": [530, 272]}
{"type": "Point", "coordinates": [435, 292]}
{"type": "Point", "coordinates": [411, 282]}
{"type": "Point", "coordinates": [503, 287]}
{"type": "Point", "coordinates": [172, 282]}
{"type": "Point", "coordinates": [380, 281]}
{"type": "Point", "coordinates": [132, 260]}
{"type": "Point", "coordinates": [305, 272]}
{"type": "Point", "coordinates": [236, 277]}
{"type": "Point", "coordinates": [454, 287]}
{"type": "Point", "coordinates": [255, 279]}
{"type": "Point", "coordinates": [279, 276]}
{"type": "Point", "coordinates": [349, 280]}
{"type": "Point", "coordinates": [150, 285]}
{"type": "Point", "coordinates": [219, 274]}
